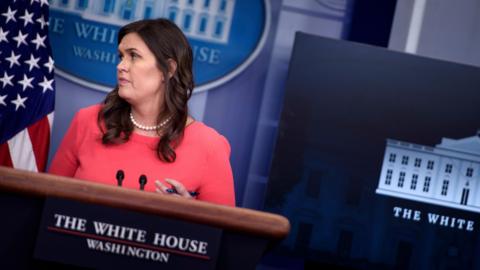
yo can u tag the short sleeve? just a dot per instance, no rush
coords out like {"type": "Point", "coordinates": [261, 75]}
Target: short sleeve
{"type": "Point", "coordinates": [217, 183]}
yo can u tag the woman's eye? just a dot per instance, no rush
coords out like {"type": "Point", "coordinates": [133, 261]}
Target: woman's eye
{"type": "Point", "coordinates": [133, 55]}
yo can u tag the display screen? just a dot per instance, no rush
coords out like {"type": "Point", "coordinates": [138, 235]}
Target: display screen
{"type": "Point", "coordinates": [377, 160]}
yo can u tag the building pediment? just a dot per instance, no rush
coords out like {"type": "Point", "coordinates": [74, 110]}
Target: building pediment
{"type": "Point", "coordinates": [467, 145]}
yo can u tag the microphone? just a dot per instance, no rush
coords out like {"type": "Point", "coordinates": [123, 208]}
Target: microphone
{"type": "Point", "coordinates": [120, 176]}
{"type": "Point", "coordinates": [142, 180]}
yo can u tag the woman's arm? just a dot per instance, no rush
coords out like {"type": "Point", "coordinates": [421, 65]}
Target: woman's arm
{"type": "Point", "coordinates": [217, 184]}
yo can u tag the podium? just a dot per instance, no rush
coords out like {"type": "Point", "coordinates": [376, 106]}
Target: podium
{"type": "Point", "coordinates": [243, 235]}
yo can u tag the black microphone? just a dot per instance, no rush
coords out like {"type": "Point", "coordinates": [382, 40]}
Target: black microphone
{"type": "Point", "coordinates": [142, 180]}
{"type": "Point", "coordinates": [120, 176]}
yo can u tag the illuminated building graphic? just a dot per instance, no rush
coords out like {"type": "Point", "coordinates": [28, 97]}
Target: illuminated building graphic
{"type": "Point", "coordinates": [446, 174]}
{"type": "Point", "coordinates": [208, 20]}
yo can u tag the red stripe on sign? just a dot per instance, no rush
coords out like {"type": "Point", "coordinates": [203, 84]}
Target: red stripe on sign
{"type": "Point", "coordinates": [39, 133]}
{"type": "Point", "coordinates": [5, 159]}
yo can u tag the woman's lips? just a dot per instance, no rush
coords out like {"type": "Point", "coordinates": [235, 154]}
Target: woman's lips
{"type": "Point", "coordinates": [123, 81]}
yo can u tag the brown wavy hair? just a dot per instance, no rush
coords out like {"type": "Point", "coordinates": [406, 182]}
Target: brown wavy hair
{"type": "Point", "coordinates": [167, 42]}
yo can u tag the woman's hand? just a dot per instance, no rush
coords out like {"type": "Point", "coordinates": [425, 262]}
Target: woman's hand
{"type": "Point", "coordinates": [177, 189]}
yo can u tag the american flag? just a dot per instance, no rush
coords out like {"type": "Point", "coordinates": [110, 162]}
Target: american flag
{"type": "Point", "coordinates": [27, 86]}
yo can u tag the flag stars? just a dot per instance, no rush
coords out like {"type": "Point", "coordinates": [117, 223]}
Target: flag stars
{"type": "Point", "coordinates": [32, 62]}
{"type": "Point", "coordinates": [24, 72]}
{"type": "Point", "coordinates": [10, 15]}
{"type": "Point", "coordinates": [2, 100]}
{"type": "Point", "coordinates": [42, 22]}
{"type": "Point", "coordinates": [49, 64]}
{"type": "Point", "coordinates": [21, 38]}
{"type": "Point", "coordinates": [6, 79]}
{"type": "Point", "coordinates": [13, 59]}
{"type": "Point", "coordinates": [39, 41]}
{"type": "Point", "coordinates": [3, 35]}
{"type": "Point", "coordinates": [44, 2]}
{"type": "Point", "coordinates": [19, 102]}
{"type": "Point", "coordinates": [46, 84]}
{"type": "Point", "coordinates": [27, 18]}
{"type": "Point", "coordinates": [26, 82]}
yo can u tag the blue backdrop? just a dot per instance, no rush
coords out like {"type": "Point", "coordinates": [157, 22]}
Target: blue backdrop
{"type": "Point", "coordinates": [247, 107]}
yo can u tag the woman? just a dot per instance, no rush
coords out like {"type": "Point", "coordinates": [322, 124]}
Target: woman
{"type": "Point", "coordinates": [143, 126]}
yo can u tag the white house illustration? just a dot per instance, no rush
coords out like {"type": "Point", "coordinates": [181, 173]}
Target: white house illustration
{"type": "Point", "coordinates": [208, 20]}
{"type": "Point", "coordinates": [446, 174]}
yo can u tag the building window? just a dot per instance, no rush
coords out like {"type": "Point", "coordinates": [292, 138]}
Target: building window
{"type": "Point", "coordinates": [108, 6]}
{"type": "Point", "coordinates": [465, 194]}
{"type": "Point", "coordinates": [82, 4]}
{"type": "Point", "coordinates": [448, 168]}
{"type": "Point", "coordinates": [190, 2]}
{"type": "Point", "coordinates": [404, 255]}
{"type": "Point", "coordinates": [187, 21]}
{"type": "Point", "coordinates": [219, 28]}
{"type": "Point", "coordinates": [426, 184]}
{"type": "Point", "coordinates": [413, 185]}
{"type": "Point", "coordinates": [65, 2]}
{"type": "Point", "coordinates": [223, 6]}
{"type": "Point", "coordinates": [206, 3]}
{"type": "Point", "coordinates": [172, 14]}
{"type": "Point", "coordinates": [128, 9]}
{"type": "Point", "coordinates": [404, 160]}
{"type": "Point", "coordinates": [313, 184]}
{"type": "Point", "coordinates": [147, 14]}
{"type": "Point", "coordinates": [127, 14]}
{"type": "Point", "coordinates": [430, 165]}
{"type": "Point", "coordinates": [418, 162]}
{"type": "Point", "coordinates": [401, 179]}
{"type": "Point", "coordinates": [392, 157]}
{"type": "Point", "coordinates": [202, 27]}
{"type": "Point", "coordinates": [469, 172]}
{"type": "Point", "coordinates": [303, 237]}
{"type": "Point", "coordinates": [444, 188]}
{"type": "Point", "coordinates": [353, 194]}
{"type": "Point", "coordinates": [388, 177]}
{"type": "Point", "coordinates": [344, 245]}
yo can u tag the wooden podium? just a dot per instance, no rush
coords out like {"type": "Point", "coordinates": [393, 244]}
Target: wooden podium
{"type": "Point", "coordinates": [245, 234]}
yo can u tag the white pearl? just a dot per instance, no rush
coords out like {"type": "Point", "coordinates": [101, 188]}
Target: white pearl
{"type": "Point", "coordinates": [148, 128]}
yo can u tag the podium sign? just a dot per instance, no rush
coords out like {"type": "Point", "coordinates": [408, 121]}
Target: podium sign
{"type": "Point", "coordinates": [54, 222]}
{"type": "Point", "coordinates": [71, 231]}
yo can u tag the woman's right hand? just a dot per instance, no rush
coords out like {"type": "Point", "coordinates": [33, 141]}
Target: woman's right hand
{"type": "Point", "coordinates": [177, 189]}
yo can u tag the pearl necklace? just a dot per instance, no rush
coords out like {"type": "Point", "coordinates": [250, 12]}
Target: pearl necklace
{"type": "Point", "coordinates": [148, 128]}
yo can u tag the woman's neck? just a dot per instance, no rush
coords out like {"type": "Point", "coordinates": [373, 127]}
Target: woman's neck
{"type": "Point", "coordinates": [148, 118]}
{"type": "Point", "coordinates": [144, 117]}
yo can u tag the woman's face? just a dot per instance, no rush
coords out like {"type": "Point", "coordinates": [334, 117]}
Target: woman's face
{"type": "Point", "coordinates": [140, 82]}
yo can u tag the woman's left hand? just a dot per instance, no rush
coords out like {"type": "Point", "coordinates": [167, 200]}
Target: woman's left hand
{"type": "Point", "coordinates": [178, 189]}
